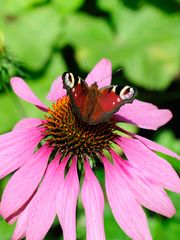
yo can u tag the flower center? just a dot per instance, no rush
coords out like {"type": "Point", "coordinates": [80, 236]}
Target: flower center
{"type": "Point", "coordinates": [68, 135]}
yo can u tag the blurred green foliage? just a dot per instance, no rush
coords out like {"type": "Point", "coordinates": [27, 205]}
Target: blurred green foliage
{"type": "Point", "coordinates": [40, 39]}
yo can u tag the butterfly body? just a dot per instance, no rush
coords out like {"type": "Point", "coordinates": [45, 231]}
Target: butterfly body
{"type": "Point", "coordinates": [93, 105]}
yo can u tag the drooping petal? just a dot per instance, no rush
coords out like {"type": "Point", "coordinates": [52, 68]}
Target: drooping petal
{"type": "Point", "coordinates": [143, 114]}
{"type": "Point", "coordinates": [152, 197]}
{"type": "Point", "coordinates": [153, 166]}
{"type": "Point", "coordinates": [42, 208]}
{"type": "Point", "coordinates": [101, 73]}
{"type": "Point", "coordinates": [27, 122]}
{"type": "Point", "coordinates": [66, 203]}
{"type": "Point", "coordinates": [23, 91]}
{"type": "Point", "coordinates": [150, 144]}
{"type": "Point", "coordinates": [146, 193]}
{"type": "Point", "coordinates": [157, 147]}
{"type": "Point", "coordinates": [126, 210]}
{"type": "Point", "coordinates": [16, 148]}
{"type": "Point", "coordinates": [20, 229]}
{"type": "Point", "coordinates": [23, 183]}
{"type": "Point", "coordinates": [93, 202]}
{"type": "Point", "coordinates": [57, 91]}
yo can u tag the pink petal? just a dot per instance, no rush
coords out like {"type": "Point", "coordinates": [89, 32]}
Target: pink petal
{"type": "Point", "coordinates": [16, 148]}
{"type": "Point", "coordinates": [154, 167]}
{"type": "Point", "coordinates": [24, 182]}
{"type": "Point", "coordinates": [144, 115]}
{"type": "Point", "coordinates": [101, 73]}
{"type": "Point", "coordinates": [157, 147]}
{"type": "Point", "coordinates": [126, 210]}
{"type": "Point", "coordinates": [23, 91]}
{"type": "Point", "coordinates": [27, 123]}
{"type": "Point", "coordinates": [42, 210]}
{"type": "Point", "coordinates": [93, 202]}
{"type": "Point", "coordinates": [57, 91]}
{"type": "Point", "coordinates": [20, 229]}
{"type": "Point", "coordinates": [66, 203]}
{"type": "Point", "coordinates": [21, 225]}
{"type": "Point", "coordinates": [146, 193]}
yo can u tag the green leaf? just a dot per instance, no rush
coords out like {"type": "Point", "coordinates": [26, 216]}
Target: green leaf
{"type": "Point", "coordinates": [11, 7]}
{"type": "Point", "coordinates": [166, 229]}
{"type": "Point", "coordinates": [42, 84]}
{"type": "Point", "coordinates": [66, 7]}
{"type": "Point", "coordinates": [32, 35]}
{"type": "Point", "coordinates": [146, 44]}
{"type": "Point", "coordinates": [6, 230]}
{"type": "Point", "coordinates": [90, 36]}
{"type": "Point", "coordinates": [108, 6]}
{"type": "Point", "coordinates": [10, 114]}
{"type": "Point", "coordinates": [1, 42]}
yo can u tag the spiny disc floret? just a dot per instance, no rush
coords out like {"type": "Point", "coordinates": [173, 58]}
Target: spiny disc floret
{"type": "Point", "coordinates": [67, 134]}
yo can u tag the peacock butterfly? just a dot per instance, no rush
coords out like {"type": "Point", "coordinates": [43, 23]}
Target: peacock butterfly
{"type": "Point", "coordinates": [93, 105]}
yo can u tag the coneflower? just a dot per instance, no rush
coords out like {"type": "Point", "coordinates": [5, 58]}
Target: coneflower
{"type": "Point", "coordinates": [48, 156]}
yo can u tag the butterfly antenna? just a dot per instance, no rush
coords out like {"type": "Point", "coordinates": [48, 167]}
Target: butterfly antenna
{"type": "Point", "coordinates": [118, 70]}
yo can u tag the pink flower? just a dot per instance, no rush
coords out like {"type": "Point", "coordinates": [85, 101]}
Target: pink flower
{"type": "Point", "coordinates": [39, 189]}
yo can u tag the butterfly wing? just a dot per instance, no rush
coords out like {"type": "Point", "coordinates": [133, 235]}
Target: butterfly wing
{"type": "Point", "coordinates": [77, 90]}
{"type": "Point", "coordinates": [93, 105]}
{"type": "Point", "coordinates": [80, 102]}
{"type": "Point", "coordinates": [109, 101]}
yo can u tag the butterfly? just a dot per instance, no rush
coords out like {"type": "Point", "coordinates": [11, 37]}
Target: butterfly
{"type": "Point", "coordinates": [93, 105]}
